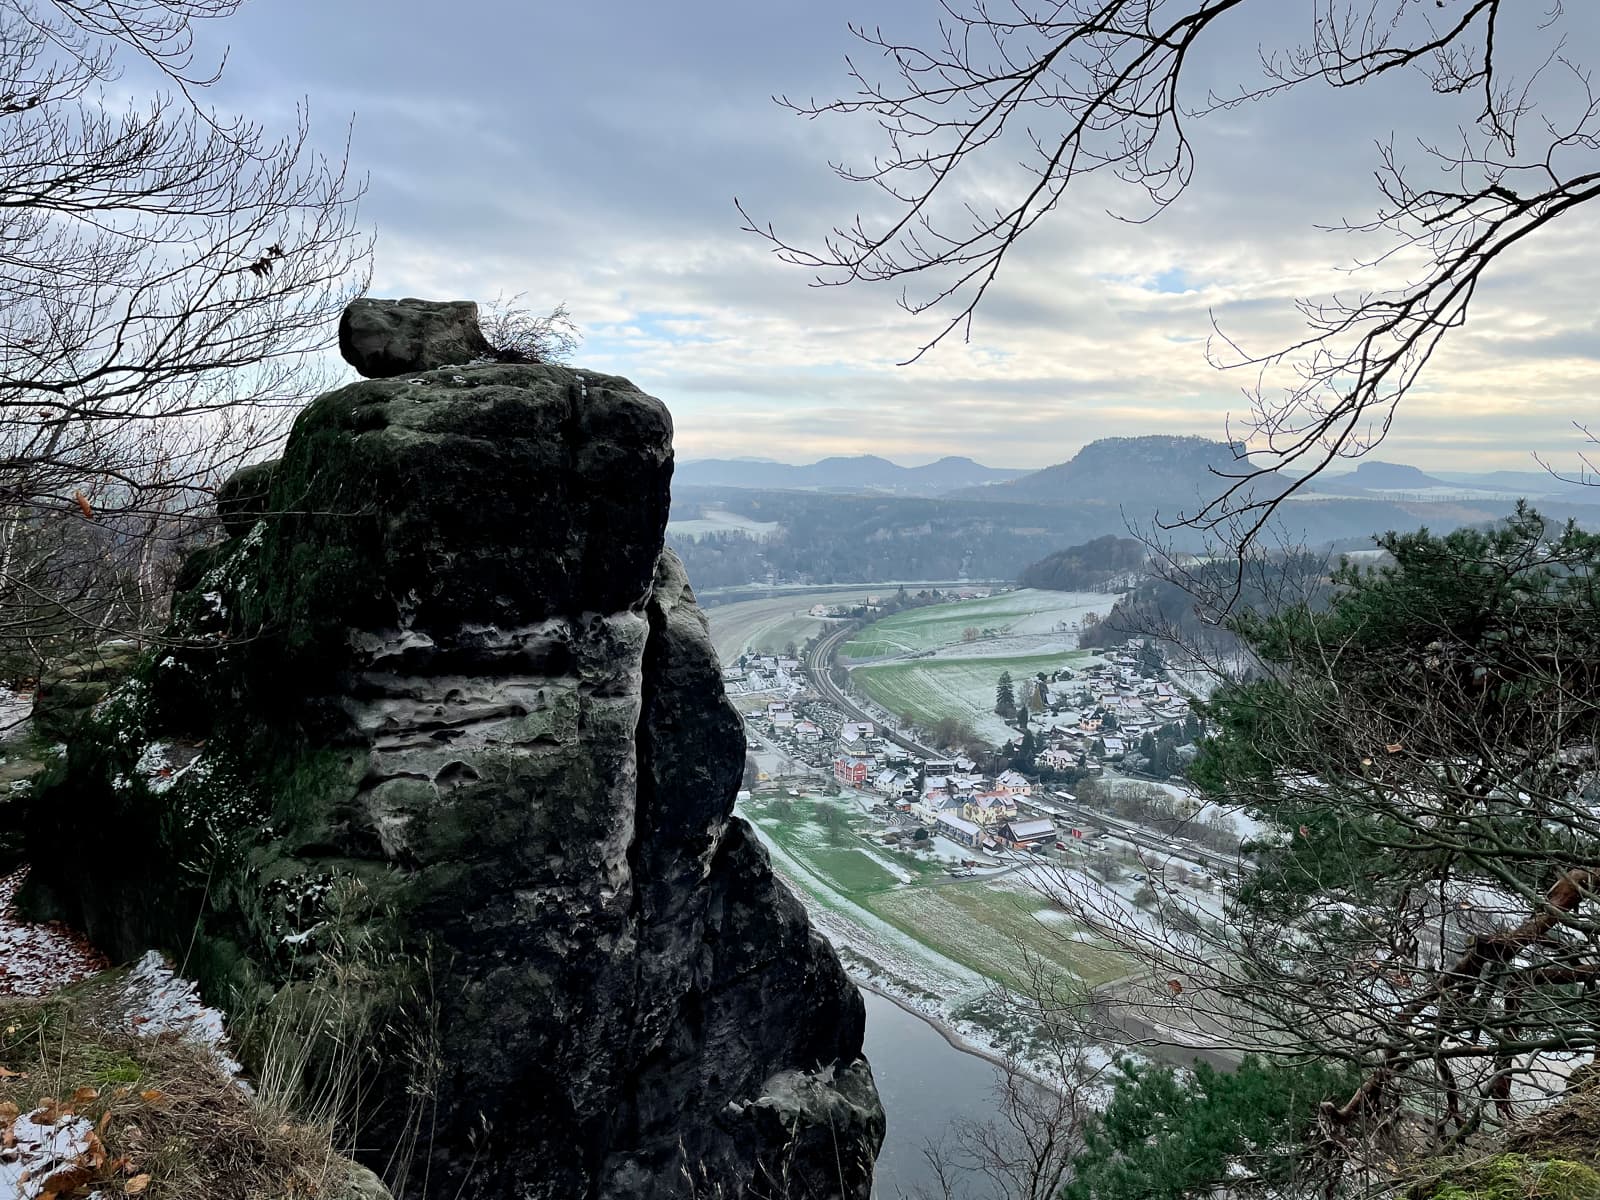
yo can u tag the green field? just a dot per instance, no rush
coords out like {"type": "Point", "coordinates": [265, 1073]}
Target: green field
{"type": "Point", "coordinates": [986, 926]}
{"type": "Point", "coordinates": [837, 852]}
{"type": "Point", "coordinates": [926, 689]}
{"type": "Point", "coordinates": [1025, 612]}
{"type": "Point", "coordinates": [993, 931]}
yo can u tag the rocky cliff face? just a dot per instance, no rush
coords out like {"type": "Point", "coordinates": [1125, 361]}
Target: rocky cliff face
{"type": "Point", "coordinates": [445, 720]}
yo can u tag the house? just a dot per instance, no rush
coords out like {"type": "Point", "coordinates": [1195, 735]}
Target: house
{"type": "Point", "coordinates": [1114, 747]}
{"type": "Point", "coordinates": [1059, 758]}
{"type": "Point", "coordinates": [857, 731]}
{"type": "Point", "coordinates": [1013, 783]}
{"type": "Point", "coordinates": [958, 829]}
{"type": "Point", "coordinates": [1023, 834]}
{"type": "Point", "coordinates": [889, 782]}
{"type": "Point", "coordinates": [807, 731]}
{"type": "Point", "coordinates": [850, 771]}
{"type": "Point", "coordinates": [783, 719]}
{"type": "Point", "coordinates": [988, 808]}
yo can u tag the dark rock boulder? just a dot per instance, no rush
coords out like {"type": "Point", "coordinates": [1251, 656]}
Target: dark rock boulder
{"type": "Point", "coordinates": [446, 749]}
{"type": "Point", "coordinates": [74, 684]}
{"type": "Point", "coordinates": [243, 498]}
{"type": "Point", "coordinates": [384, 338]}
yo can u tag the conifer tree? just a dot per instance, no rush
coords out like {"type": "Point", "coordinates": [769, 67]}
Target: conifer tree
{"type": "Point", "coordinates": [1005, 700]}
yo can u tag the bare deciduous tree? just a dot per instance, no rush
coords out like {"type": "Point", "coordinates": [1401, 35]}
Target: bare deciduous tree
{"type": "Point", "coordinates": [519, 334]}
{"type": "Point", "coordinates": [1082, 88]}
{"type": "Point", "coordinates": [165, 275]}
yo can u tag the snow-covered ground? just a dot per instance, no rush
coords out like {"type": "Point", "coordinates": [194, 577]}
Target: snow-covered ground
{"type": "Point", "coordinates": [37, 958]}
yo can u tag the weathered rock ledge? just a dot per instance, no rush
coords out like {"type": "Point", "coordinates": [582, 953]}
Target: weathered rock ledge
{"type": "Point", "coordinates": [448, 743]}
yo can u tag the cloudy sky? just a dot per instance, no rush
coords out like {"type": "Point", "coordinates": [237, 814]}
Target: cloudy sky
{"type": "Point", "coordinates": [591, 153]}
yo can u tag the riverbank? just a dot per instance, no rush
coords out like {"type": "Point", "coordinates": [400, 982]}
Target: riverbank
{"type": "Point", "coordinates": [955, 1041]}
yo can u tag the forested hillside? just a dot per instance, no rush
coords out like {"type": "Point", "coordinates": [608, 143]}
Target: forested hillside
{"type": "Point", "coordinates": [1089, 565]}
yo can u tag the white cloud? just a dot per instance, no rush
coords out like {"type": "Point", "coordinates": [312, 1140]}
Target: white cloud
{"type": "Point", "coordinates": [591, 153]}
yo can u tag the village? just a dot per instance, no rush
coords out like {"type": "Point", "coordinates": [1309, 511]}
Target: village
{"type": "Point", "coordinates": [1119, 718]}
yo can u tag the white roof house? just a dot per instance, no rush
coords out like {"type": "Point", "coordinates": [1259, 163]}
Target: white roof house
{"type": "Point", "coordinates": [1036, 830]}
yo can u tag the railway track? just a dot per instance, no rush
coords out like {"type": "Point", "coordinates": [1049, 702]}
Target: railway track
{"type": "Point", "coordinates": [818, 667]}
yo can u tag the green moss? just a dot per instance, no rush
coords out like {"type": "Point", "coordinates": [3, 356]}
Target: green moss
{"type": "Point", "coordinates": [1514, 1177]}
{"type": "Point", "coordinates": [104, 1065]}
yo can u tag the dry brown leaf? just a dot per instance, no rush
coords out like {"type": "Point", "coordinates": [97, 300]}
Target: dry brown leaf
{"type": "Point", "coordinates": [85, 1094]}
{"type": "Point", "coordinates": [51, 1110]}
{"type": "Point", "coordinates": [136, 1185]}
{"type": "Point", "coordinates": [8, 1073]}
{"type": "Point", "coordinates": [67, 1179]}
{"type": "Point", "coordinates": [8, 1111]}
{"type": "Point", "coordinates": [83, 504]}
{"type": "Point", "coordinates": [153, 1096]}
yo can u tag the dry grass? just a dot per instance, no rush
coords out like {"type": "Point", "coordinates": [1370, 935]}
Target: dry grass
{"type": "Point", "coordinates": [168, 1120]}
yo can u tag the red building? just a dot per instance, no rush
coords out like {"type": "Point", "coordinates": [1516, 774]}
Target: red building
{"type": "Point", "coordinates": [852, 771]}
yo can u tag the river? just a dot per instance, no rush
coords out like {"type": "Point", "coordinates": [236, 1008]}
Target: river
{"type": "Point", "coordinates": [926, 1084]}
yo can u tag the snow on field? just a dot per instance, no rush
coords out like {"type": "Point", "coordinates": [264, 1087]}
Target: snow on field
{"type": "Point", "coordinates": [929, 688]}
{"type": "Point", "coordinates": [888, 864]}
{"type": "Point", "coordinates": [1027, 614]}
{"type": "Point", "coordinates": [1032, 630]}
{"type": "Point", "coordinates": [848, 924]}
{"type": "Point", "coordinates": [713, 521]}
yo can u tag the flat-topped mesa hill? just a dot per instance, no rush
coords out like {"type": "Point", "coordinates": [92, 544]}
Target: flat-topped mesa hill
{"type": "Point", "coordinates": [442, 750]}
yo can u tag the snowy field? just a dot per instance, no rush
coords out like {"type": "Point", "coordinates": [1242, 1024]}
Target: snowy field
{"type": "Point", "coordinates": [769, 625]}
{"type": "Point", "coordinates": [927, 689]}
{"type": "Point", "coordinates": [1021, 633]}
{"type": "Point", "coordinates": [1023, 615]}
{"type": "Point", "coordinates": [713, 521]}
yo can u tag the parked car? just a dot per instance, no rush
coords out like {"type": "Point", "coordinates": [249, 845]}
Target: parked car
{"type": "Point", "coordinates": [1139, 878]}
{"type": "Point", "coordinates": [1061, 845]}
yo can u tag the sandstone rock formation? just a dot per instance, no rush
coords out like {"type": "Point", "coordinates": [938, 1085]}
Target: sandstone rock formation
{"type": "Point", "coordinates": [383, 338]}
{"type": "Point", "coordinates": [450, 727]}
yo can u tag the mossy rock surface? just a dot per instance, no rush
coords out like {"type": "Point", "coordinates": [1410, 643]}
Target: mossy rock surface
{"type": "Point", "coordinates": [72, 686]}
{"type": "Point", "coordinates": [1514, 1177]}
{"type": "Point", "coordinates": [444, 720]}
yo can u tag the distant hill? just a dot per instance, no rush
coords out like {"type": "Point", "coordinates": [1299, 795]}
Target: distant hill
{"type": "Point", "coordinates": [867, 520]}
{"type": "Point", "coordinates": [1390, 477]}
{"type": "Point", "coordinates": [1079, 568]}
{"type": "Point", "coordinates": [864, 473]}
{"type": "Point", "coordinates": [1532, 484]}
{"type": "Point", "coordinates": [1143, 471]}
{"type": "Point", "coordinates": [1398, 481]}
